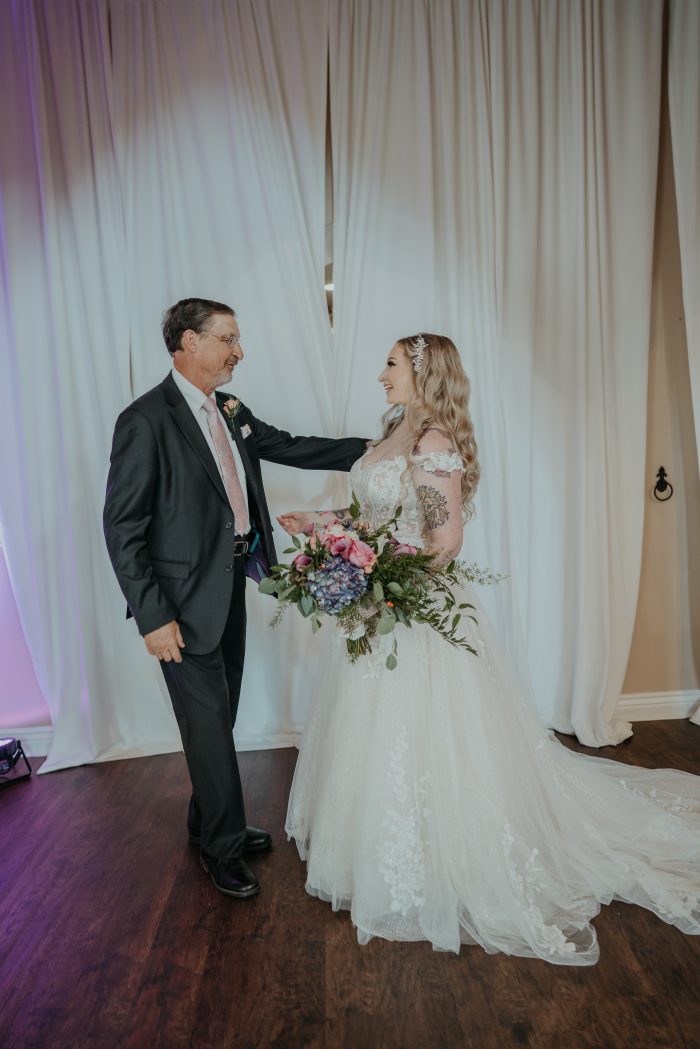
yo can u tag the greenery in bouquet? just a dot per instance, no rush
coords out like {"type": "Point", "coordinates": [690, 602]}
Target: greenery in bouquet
{"type": "Point", "coordinates": [369, 582]}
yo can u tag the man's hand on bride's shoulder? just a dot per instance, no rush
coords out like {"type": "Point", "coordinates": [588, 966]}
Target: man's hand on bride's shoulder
{"type": "Point", "coordinates": [296, 520]}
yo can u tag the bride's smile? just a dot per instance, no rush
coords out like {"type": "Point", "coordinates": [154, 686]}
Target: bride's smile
{"type": "Point", "coordinates": [397, 376]}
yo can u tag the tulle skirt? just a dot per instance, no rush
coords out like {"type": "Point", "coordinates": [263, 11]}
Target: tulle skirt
{"type": "Point", "coordinates": [431, 802]}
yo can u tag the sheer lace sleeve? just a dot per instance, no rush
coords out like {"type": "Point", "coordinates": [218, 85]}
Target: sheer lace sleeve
{"type": "Point", "coordinates": [437, 475]}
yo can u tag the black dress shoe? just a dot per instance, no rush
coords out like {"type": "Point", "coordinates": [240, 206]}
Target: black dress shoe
{"type": "Point", "coordinates": [232, 877]}
{"type": "Point", "coordinates": [255, 840]}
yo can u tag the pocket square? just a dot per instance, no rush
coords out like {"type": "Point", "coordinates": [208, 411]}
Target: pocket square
{"type": "Point", "coordinates": [245, 431]}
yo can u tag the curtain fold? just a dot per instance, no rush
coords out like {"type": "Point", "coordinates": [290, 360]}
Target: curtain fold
{"type": "Point", "coordinates": [64, 374]}
{"type": "Point", "coordinates": [220, 115]}
{"type": "Point", "coordinates": [577, 195]}
{"type": "Point", "coordinates": [495, 178]}
{"type": "Point", "coordinates": [684, 104]}
{"type": "Point", "coordinates": [161, 151]}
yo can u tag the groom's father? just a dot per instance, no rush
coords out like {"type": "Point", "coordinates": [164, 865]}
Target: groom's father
{"type": "Point", "coordinates": [185, 517]}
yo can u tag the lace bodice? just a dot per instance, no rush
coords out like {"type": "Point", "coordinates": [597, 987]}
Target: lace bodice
{"type": "Point", "coordinates": [383, 485]}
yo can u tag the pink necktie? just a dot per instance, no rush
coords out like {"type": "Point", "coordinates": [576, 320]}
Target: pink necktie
{"type": "Point", "coordinates": [227, 463]}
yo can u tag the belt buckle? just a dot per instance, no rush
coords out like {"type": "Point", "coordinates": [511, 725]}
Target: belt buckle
{"type": "Point", "coordinates": [240, 547]}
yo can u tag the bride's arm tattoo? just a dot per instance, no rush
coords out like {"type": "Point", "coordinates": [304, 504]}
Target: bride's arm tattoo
{"type": "Point", "coordinates": [342, 515]}
{"type": "Point", "coordinates": [434, 506]}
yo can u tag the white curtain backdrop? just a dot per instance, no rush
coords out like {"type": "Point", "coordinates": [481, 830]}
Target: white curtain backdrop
{"type": "Point", "coordinates": [197, 168]}
{"type": "Point", "coordinates": [414, 231]}
{"type": "Point", "coordinates": [64, 374]}
{"type": "Point", "coordinates": [220, 114]}
{"type": "Point", "coordinates": [495, 180]}
{"type": "Point", "coordinates": [684, 109]}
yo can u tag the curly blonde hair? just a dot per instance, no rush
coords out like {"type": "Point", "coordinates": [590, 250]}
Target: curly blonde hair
{"type": "Point", "coordinates": [441, 402]}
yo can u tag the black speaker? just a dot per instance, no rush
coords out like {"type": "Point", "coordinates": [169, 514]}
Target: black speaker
{"type": "Point", "coordinates": [11, 753]}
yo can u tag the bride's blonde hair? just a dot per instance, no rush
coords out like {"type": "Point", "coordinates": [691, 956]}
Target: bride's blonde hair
{"type": "Point", "coordinates": [440, 401]}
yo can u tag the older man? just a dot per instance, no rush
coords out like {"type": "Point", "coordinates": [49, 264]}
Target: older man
{"type": "Point", "coordinates": [185, 517]}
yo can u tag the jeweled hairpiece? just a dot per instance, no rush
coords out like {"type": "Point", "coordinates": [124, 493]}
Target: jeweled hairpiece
{"type": "Point", "coordinates": [419, 345]}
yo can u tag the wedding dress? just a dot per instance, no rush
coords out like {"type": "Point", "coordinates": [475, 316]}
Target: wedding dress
{"type": "Point", "coordinates": [431, 801]}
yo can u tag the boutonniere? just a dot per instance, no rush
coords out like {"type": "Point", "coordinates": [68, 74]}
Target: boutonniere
{"type": "Point", "coordinates": [231, 408]}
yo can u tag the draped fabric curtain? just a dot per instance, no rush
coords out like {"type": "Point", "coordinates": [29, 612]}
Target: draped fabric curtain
{"type": "Point", "coordinates": [576, 200]}
{"type": "Point", "coordinates": [157, 151]}
{"type": "Point", "coordinates": [220, 116]}
{"type": "Point", "coordinates": [684, 104]}
{"type": "Point", "coordinates": [64, 375]}
{"type": "Point", "coordinates": [414, 224]}
{"type": "Point", "coordinates": [495, 171]}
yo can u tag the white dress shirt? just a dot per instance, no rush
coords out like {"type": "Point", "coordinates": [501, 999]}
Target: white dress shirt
{"type": "Point", "coordinates": [195, 399]}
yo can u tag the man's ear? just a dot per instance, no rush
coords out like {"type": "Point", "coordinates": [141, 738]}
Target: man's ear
{"type": "Point", "coordinates": [189, 342]}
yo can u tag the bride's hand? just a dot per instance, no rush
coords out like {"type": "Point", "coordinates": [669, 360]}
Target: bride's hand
{"type": "Point", "coordinates": [296, 521]}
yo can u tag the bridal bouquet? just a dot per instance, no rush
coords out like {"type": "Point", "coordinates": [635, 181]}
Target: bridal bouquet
{"type": "Point", "coordinates": [369, 582]}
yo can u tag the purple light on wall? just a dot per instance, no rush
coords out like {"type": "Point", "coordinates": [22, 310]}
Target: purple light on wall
{"type": "Point", "coordinates": [21, 702]}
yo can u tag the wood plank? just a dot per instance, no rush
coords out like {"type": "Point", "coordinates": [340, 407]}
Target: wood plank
{"type": "Point", "coordinates": [117, 937]}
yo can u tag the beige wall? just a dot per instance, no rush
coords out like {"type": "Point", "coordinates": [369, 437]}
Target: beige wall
{"type": "Point", "coordinates": [665, 654]}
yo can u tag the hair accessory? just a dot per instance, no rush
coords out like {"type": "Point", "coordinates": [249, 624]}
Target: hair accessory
{"type": "Point", "coordinates": [419, 345]}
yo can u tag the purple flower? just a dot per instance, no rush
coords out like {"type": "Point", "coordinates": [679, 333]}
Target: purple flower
{"type": "Point", "coordinates": [336, 584]}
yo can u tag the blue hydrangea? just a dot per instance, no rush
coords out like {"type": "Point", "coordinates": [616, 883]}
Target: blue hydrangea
{"type": "Point", "coordinates": [336, 585]}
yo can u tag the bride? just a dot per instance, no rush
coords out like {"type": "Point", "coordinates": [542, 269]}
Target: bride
{"type": "Point", "coordinates": [429, 800]}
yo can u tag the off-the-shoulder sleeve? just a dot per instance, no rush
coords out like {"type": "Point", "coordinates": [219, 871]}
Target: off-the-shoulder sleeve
{"type": "Point", "coordinates": [437, 476]}
{"type": "Point", "coordinates": [439, 462]}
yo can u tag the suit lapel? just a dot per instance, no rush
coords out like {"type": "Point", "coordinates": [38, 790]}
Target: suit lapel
{"type": "Point", "coordinates": [191, 431]}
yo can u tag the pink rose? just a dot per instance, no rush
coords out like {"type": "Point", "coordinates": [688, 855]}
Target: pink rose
{"type": "Point", "coordinates": [339, 545]}
{"type": "Point", "coordinates": [301, 561]}
{"type": "Point", "coordinates": [232, 407]}
{"type": "Point", "coordinates": [309, 530]}
{"type": "Point", "coordinates": [362, 555]}
{"type": "Point", "coordinates": [402, 548]}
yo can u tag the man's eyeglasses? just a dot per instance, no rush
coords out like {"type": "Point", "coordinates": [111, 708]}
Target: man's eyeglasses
{"type": "Point", "coordinates": [230, 340]}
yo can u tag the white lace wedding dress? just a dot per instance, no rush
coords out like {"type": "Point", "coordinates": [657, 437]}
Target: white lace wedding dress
{"type": "Point", "coordinates": [431, 801]}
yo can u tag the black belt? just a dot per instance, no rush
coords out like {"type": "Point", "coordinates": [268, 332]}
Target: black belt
{"type": "Point", "coordinates": [243, 543]}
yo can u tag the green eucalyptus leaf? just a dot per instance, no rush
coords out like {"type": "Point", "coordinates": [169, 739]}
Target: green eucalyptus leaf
{"type": "Point", "coordinates": [391, 662]}
{"type": "Point", "coordinates": [386, 624]}
{"type": "Point", "coordinates": [268, 585]}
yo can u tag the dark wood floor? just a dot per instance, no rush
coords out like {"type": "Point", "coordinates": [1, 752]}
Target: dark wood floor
{"type": "Point", "coordinates": [113, 936]}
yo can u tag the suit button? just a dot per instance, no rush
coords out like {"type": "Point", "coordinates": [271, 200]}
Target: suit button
{"type": "Point", "coordinates": [229, 568]}
{"type": "Point", "coordinates": [229, 524]}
